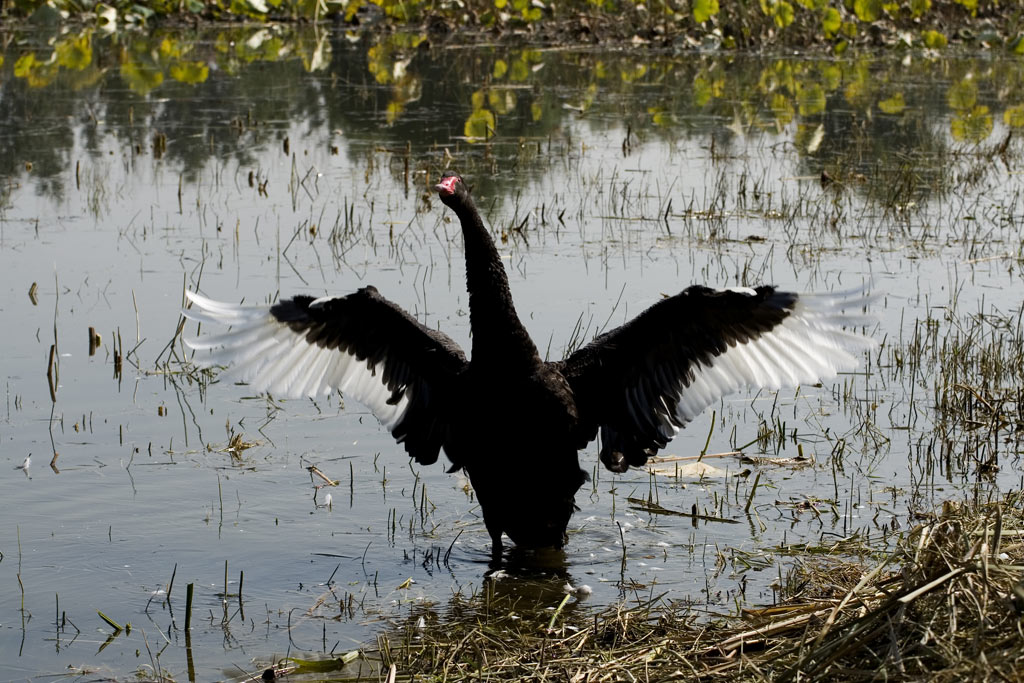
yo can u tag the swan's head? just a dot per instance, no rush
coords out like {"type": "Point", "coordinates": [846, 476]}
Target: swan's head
{"type": "Point", "coordinates": [452, 189]}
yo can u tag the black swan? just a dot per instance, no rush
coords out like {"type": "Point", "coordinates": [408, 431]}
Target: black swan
{"type": "Point", "coordinates": [514, 422]}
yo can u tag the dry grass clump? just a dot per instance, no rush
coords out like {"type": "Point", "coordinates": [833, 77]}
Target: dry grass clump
{"type": "Point", "coordinates": [945, 605]}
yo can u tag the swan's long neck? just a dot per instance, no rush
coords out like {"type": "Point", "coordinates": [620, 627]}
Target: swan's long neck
{"type": "Point", "coordinates": [499, 338]}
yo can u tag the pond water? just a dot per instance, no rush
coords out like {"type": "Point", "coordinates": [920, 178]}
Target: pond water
{"type": "Point", "coordinates": [252, 163]}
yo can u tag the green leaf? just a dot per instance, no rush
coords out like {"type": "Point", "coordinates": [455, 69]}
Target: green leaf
{"type": "Point", "coordinates": [934, 40]}
{"type": "Point", "coordinates": [704, 10]}
{"type": "Point", "coordinates": [868, 10]}
{"type": "Point", "coordinates": [783, 14]}
{"type": "Point", "coordinates": [971, 5]}
{"type": "Point", "coordinates": [831, 21]}
{"type": "Point", "coordinates": [919, 7]}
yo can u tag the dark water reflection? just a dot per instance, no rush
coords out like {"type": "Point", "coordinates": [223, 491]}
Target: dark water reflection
{"type": "Point", "coordinates": [233, 93]}
{"type": "Point", "coordinates": [255, 161]}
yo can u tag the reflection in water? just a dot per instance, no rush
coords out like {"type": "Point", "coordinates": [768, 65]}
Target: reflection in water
{"type": "Point", "coordinates": [239, 90]}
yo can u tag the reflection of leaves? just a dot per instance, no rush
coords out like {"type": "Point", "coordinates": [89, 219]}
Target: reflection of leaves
{"type": "Point", "coordinates": [633, 74]}
{"type": "Point", "coordinates": [75, 52]}
{"type": "Point", "coordinates": [831, 76]}
{"type": "Point", "coordinates": [962, 95]}
{"type": "Point", "coordinates": [501, 101]}
{"type": "Point", "coordinates": [704, 10]}
{"type": "Point", "coordinates": [519, 72]}
{"type": "Point", "coordinates": [190, 72]}
{"type": "Point", "coordinates": [893, 105]}
{"type": "Point", "coordinates": [811, 99]}
{"type": "Point", "coordinates": [141, 79]}
{"type": "Point", "coordinates": [782, 108]}
{"type": "Point", "coordinates": [36, 73]}
{"type": "Point", "coordinates": [660, 117]}
{"type": "Point", "coordinates": [170, 48]}
{"type": "Point", "coordinates": [705, 89]}
{"type": "Point", "coordinates": [973, 126]}
{"type": "Point", "coordinates": [1014, 116]}
{"type": "Point", "coordinates": [480, 125]}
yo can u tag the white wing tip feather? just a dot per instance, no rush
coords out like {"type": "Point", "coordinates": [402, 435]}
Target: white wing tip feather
{"type": "Point", "coordinates": [814, 343]}
{"type": "Point", "coordinates": [266, 354]}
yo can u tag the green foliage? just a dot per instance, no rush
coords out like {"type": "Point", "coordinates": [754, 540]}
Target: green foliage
{"type": "Point", "coordinates": [839, 23]}
{"type": "Point", "coordinates": [970, 5]}
{"type": "Point", "coordinates": [934, 40]}
{"type": "Point", "coordinates": [831, 20]}
{"type": "Point", "coordinates": [868, 10]}
{"type": "Point", "coordinates": [784, 14]}
{"type": "Point", "coordinates": [704, 10]}
{"type": "Point", "coordinates": [919, 7]}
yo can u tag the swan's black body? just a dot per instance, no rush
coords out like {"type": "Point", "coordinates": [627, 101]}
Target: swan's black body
{"type": "Point", "coordinates": [514, 422]}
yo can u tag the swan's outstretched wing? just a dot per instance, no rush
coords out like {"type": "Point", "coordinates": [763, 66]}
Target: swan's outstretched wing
{"type": "Point", "coordinates": [640, 383]}
{"type": "Point", "coordinates": [361, 345]}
